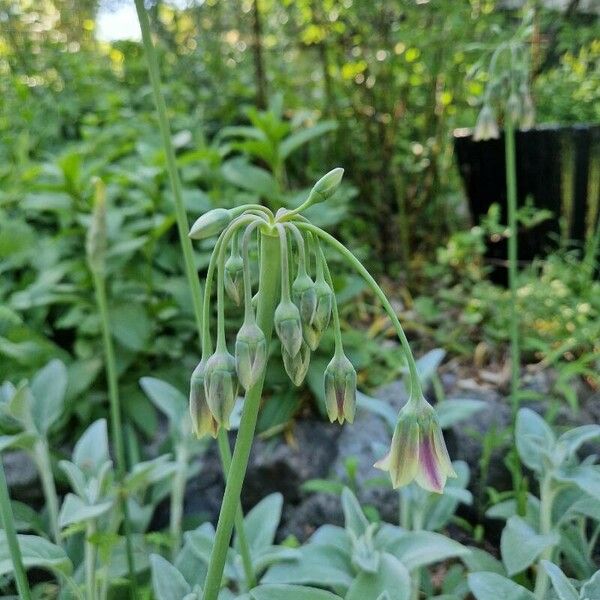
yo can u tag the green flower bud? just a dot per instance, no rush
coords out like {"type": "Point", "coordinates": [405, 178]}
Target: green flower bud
{"type": "Point", "coordinates": [220, 386]}
{"type": "Point", "coordinates": [234, 268]}
{"type": "Point", "coordinates": [418, 450]}
{"type": "Point", "coordinates": [340, 389]}
{"type": "Point", "coordinates": [250, 354]}
{"type": "Point", "coordinates": [297, 366]}
{"type": "Point", "coordinates": [326, 186]}
{"type": "Point", "coordinates": [210, 224]}
{"type": "Point", "coordinates": [486, 127]}
{"type": "Point", "coordinates": [288, 326]}
{"type": "Point", "coordinates": [203, 421]}
{"type": "Point", "coordinates": [304, 297]}
{"type": "Point", "coordinates": [513, 107]}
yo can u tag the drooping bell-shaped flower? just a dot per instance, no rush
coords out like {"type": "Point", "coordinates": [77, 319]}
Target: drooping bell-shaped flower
{"type": "Point", "coordinates": [514, 108]}
{"type": "Point", "coordinates": [297, 366]}
{"type": "Point", "coordinates": [288, 326]}
{"type": "Point", "coordinates": [418, 451]}
{"type": "Point", "coordinates": [234, 268]}
{"type": "Point", "coordinates": [203, 421]}
{"type": "Point", "coordinates": [486, 127]}
{"type": "Point", "coordinates": [528, 112]}
{"type": "Point", "coordinates": [340, 389]}
{"type": "Point", "coordinates": [304, 297]}
{"type": "Point", "coordinates": [324, 306]}
{"type": "Point", "coordinates": [221, 385]}
{"type": "Point", "coordinates": [210, 224]}
{"type": "Point", "coordinates": [250, 353]}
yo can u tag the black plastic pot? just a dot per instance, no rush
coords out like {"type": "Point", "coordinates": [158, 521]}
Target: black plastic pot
{"type": "Point", "coordinates": [558, 168]}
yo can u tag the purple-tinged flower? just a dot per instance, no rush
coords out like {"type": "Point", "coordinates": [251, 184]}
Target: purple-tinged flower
{"type": "Point", "coordinates": [340, 389]}
{"type": "Point", "coordinates": [418, 450]}
{"type": "Point", "coordinates": [203, 421]}
{"type": "Point", "coordinates": [486, 127]}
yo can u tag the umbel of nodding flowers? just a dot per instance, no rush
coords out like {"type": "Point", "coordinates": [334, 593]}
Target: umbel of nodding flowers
{"type": "Point", "coordinates": [306, 307]}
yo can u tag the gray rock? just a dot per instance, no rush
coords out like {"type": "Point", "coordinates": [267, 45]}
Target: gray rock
{"type": "Point", "coordinates": [22, 477]}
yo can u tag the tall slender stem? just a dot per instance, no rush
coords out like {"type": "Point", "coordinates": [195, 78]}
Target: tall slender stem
{"type": "Point", "coordinates": [416, 390]}
{"type": "Point", "coordinates": [115, 417]}
{"type": "Point", "coordinates": [546, 501]}
{"type": "Point", "coordinates": [8, 524]}
{"type": "Point", "coordinates": [515, 353]}
{"type": "Point", "coordinates": [267, 300]}
{"type": "Point", "coordinates": [90, 561]}
{"type": "Point", "coordinates": [177, 495]}
{"type": "Point", "coordinates": [41, 454]}
{"type": "Point", "coordinates": [165, 130]}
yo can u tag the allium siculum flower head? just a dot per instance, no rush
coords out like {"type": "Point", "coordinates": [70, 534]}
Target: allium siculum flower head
{"type": "Point", "coordinates": [486, 127]}
{"type": "Point", "coordinates": [210, 224]}
{"type": "Point", "coordinates": [220, 386]}
{"type": "Point", "coordinates": [418, 450]}
{"type": "Point", "coordinates": [288, 326]}
{"type": "Point", "coordinates": [234, 268]}
{"type": "Point", "coordinates": [250, 353]}
{"type": "Point", "coordinates": [340, 389]}
{"type": "Point", "coordinates": [203, 421]}
{"type": "Point", "coordinates": [297, 366]}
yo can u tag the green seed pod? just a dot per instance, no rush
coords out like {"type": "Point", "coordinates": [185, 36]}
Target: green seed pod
{"type": "Point", "coordinates": [220, 386]}
{"type": "Point", "coordinates": [326, 186]}
{"type": "Point", "coordinates": [297, 366]}
{"type": "Point", "coordinates": [210, 224]}
{"type": "Point", "coordinates": [203, 421]}
{"type": "Point", "coordinates": [234, 268]}
{"type": "Point", "coordinates": [288, 326]}
{"type": "Point", "coordinates": [304, 297]}
{"type": "Point", "coordinates": [340, 389]}
{"type": "Point", "coordinates": [250, 354]}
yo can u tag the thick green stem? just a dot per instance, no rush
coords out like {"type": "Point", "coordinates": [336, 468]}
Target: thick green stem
{"type": "Point", "coordinates": [177, 495]}
{"type": "Point", "coordinates": [41, 454]}
{"type": "Point", "coordinates": [8, 524]}
{"type": "Point", "coordinates": [267, 300]}
{"type": "Point", "coordinates": [546, 502]}
{"type": "Point", "coordinates": [90, 561]}
{"type": "Point", "coordinates": [225, 452]}
{"type": "Point", "coordinates": [115, 417]}
{"type": "Point", "coordinates": [416, 391]}
{"type": "Point", "coordinates": [165, 131]}
{"type": "Point", "coordinates": [515, 354]}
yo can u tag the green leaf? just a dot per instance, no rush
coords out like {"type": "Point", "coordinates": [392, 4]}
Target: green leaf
{"type": "Point", "coordinates": [91, 450]}
{"type": "Point", "coordinates": [168, 399]}
{"type": "Point", "coordinates": [416, 549]}
{"type": "Point", "coordinates": [167, 582]}
{"type": "Point", "coordinates": [391, 577]}
{"type": "Point", "coordinates": [563, 587]}
{"type": "Point", "coordinates": [37, 552]}
{"type": "Point", "coordinates": [480, 560]}
{"type": "Point", "coordinates": [534, 438]}
{"type": "Point", "coordinates": [450, 412]}
{"type": "Point", "coordinates": [75, 476]}
{"type": "Point", "coordinates": [521, 545]}
{"type": "Point", "coordinates": [591, 589]}
{"type": "Point", "coordinates": [491, 586]}
{"type": "Point", "coordinates": [131, 326]}
{"type": "Point", "coordinates": [262, 521]}
{"type": "Point", "coordinates": [23, 440]}
{"type": "Point", "coordinates": [74, 510]}
{"type": "Point", "coordinates": [290, 592]}
{"type": "Point", "coordinates": [299, 138]}
{"type": "Point", "coordinates": [248, 177]}
{"type": "Point", "coordinates": [354, 517]}
{"type": "Point", "coordinates": [428, 364]}
{"type": "Point", "coordinates": [48, 392]}
{"type": "Point", "coordinates": [572, 440]}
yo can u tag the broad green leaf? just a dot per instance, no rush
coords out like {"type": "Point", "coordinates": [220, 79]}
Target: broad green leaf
{"type": "Point", "coordinates": [168, 399]}
{"type": "Point", "coordinates": [428, 364]}
{"type": "Point", "coordinates": [75, 476]}
{"type": "Point", "coordinates": [332, 535]}
{"type": "Point", "coordinates": [74, 510]}
{"type": "Point", "coordinates": [24, 440]}
{"type": "Point", "coordinates": [391, 577]}
{"type": "Point", "coordinates": [521, 545]}
{"type": "Point", "coordinates": [562, 586]}
{"type": "Point", "coordinates": [131, 326]}
{"type": "Point", "coordinates": [591, 589]}
{"type": "Point", "coordinates": [37, 552]}
{"type": "Point", "coordinates": [571, 440]}
{"type": "Point", "coordinates": [534, 438]}
{"type": "Point", "coordinates": [273, 555]}
{"type": "Point", "coordinates": [167, 582]}
{"type": "Point", "coordinates": [354, 517]}
{"type": "Point", "coordinates": [290, 592]}
{"type": "Point", "coordinates": [450, 412]}
{"type": "Point", "coordinates": [262, 521]}
{"type": "Point", "coordinates": [248, 177]}
{"type": "Point", "coordinates": [420, 548]}
{"type": "Point", "coordinates": [585, 477]}
{"type": "Point", "coordinates": [480, 560]}
{"type": "Point", "coordinates": [91, 450]}
{"type": "Point", "coordinates": [48, 389]}
{"type": "Point", "coordinates": [491, 586]}
{"type": "Point", "coordinates": [301, 137]}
